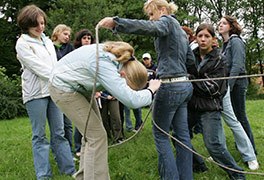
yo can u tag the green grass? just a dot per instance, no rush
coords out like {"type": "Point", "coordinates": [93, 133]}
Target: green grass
{"type": "Point", "coordinates": [133, 160]}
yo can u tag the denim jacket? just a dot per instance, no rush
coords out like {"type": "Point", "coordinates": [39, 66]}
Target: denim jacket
{"type": "Point", "coordinates": [171, 43]}
{"type": "Point", "coordinates": [236, 59]}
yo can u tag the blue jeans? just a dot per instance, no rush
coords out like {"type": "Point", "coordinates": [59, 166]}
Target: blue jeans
{"type": "Point", "coordinates": [243, 143]}
{"type": "Point", "coordinates": [77, 140]}
{"type": "Point", "coordinates": [170, 112]}
{"type": "Point", "coordinates": [138, 117]}
{"type": "Point", "coordinates": [238, 99]}
{"type": "Point", "coordinates": [215, 142]}
{"type": "Point", "coordinates": [38, 111]}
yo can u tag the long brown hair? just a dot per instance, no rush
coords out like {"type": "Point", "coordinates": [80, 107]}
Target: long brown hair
{"type": "Point", "coordinates": [189, 32]}
{"type": "Point", "coordinates": [235, 28]}
{"type": "Point", "coordinates": [27, 17]}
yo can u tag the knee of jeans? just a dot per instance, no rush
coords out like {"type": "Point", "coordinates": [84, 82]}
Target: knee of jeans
{"type": "Point", "coordinates": [161, 140]}
{"type": "Point", "coordinates": [215, 148]}
{"type": "Point", "coordinates": [39, 140]}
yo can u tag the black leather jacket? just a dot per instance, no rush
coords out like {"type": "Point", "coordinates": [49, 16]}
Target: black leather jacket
{"type": "Point", "coordinates": [208, 95]}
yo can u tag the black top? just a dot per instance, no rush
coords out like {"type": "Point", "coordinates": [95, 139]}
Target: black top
{"type": "Point", "coordinates": [208, 95]}
{"type": "Point", "coordinates": [63, 50]}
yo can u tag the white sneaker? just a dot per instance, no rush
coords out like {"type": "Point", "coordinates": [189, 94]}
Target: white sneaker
{"type": "Point", "coordinates": [253, 165]}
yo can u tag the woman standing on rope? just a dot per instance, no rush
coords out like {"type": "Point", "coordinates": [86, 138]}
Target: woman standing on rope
{"type": "Point", "coordinates": [170, 105]}
{"type": "Point", "coordinates": [71, 86]}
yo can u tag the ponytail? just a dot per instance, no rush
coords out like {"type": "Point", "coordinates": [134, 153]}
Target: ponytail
{"type": "Point", "coordinates": [122, 50]}
{"type": "Point", "coordinates": [136, 73]}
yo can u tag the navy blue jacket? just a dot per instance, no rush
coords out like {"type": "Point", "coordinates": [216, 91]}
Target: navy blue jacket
{"type": "Point", "coordinates": [63, 50]}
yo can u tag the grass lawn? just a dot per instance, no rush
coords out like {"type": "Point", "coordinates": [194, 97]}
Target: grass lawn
{"type": "Point", "coordinates": [133, 160]}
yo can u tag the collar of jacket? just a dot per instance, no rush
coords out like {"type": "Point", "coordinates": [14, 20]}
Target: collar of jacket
{"type": "Point", "coordinates": [211, 54]}
{"type": "Point", "coordinates": [28, 38]}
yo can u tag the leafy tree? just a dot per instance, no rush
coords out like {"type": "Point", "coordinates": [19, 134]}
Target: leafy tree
{"type": "Point", "coordinates": [79, 14]}
{"type": "Point", "coordinates": [254, 24]}
{"type": "Point", "coordinates": [9, 31]}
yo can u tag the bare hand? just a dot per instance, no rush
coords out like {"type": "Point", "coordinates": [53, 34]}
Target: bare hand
{"type": "Point", "coordinates": [107, 23]}
{"type": "Point", "coordinates": [154, 85]}
{"type": "Point", "coordinates": [97, 94]}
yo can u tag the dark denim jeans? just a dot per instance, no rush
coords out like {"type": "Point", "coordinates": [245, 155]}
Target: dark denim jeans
{"type": "Point", "coordinates": [215, 142]}
{"type": "Point", "coordinates": [68, 130]}
{"type": "Point", "coordinates": [77, 140]}
{"type": "Point", "coordinates": [170, 112]}
{"type": "Point", "coordinates": [238, 99]}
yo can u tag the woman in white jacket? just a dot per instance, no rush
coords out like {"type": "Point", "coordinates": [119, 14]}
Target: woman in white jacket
{"type": "Point", "coordinates": [37, 56]}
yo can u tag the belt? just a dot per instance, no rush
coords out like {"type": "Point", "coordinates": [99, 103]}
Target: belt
{"type": "Point", "coordinates": [172, 80]}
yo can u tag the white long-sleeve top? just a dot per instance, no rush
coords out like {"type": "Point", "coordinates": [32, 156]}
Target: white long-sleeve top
{"type": "Point", "coordinates": [37, 59]}
{"type": "Point", "coordinates": [76, 72]}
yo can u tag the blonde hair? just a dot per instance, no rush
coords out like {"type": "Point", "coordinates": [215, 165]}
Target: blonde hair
{"type": "Point", "coordinates": [58, 30]}
{"type": "Point", "coordinates": [136, 73]}
{"type": "Point", "coordinates": [122, 50]}
{"type": "Point", "coordinates": [155, 5]}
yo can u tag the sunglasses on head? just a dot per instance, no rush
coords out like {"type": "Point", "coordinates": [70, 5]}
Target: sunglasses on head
{"type": "Point", "coordinates": [145, 58]}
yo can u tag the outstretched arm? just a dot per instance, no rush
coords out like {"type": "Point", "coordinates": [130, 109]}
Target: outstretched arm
{"type": "Point", "coordinates": [107, 22]}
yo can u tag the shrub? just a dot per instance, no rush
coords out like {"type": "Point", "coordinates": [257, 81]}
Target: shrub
{"type": "Point", "coordinates": [11, 104]}
{"type": "Point", "coordinates": [255, 90]}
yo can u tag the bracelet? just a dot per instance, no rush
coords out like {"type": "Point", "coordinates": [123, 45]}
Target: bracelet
{"type": "Point", "coordinates": [152, 94]}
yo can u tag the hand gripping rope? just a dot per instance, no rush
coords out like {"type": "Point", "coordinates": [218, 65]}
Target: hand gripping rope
{"type": "Point", "coordinates": [150, 109]}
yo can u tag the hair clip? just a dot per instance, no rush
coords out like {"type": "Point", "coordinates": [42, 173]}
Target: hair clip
{"type": "Point", "coordinates": [132, 58]}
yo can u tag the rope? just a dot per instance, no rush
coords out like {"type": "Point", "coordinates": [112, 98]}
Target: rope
{"type": "Point", "coordinates": [142, 125]}
{"type": "Point", "coordinates": [208, 159]}
{"type": "Point", "coordinates": [95, 80]}
{"type": "Point", "coordinates": [222, 78]}
{"type": "Point", "coordinates": [139, 129]}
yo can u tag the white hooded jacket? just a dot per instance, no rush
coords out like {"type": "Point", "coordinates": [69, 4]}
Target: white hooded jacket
{"type": "Point", "coordinates": [37, 59]}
